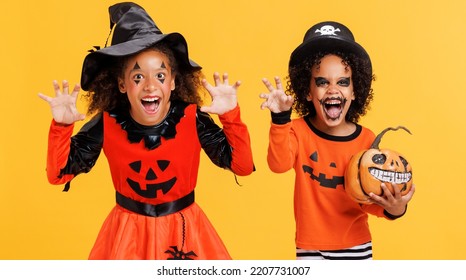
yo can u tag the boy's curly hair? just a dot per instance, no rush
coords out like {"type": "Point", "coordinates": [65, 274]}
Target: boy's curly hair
{"type": "Point", "coordinates": [299, 79]}
{"type": "Point", "coordinates": [104, 94]}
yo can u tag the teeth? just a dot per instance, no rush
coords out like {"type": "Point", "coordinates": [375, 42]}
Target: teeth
{"type": "Point", "coordinates": [333, 102]}
{"type": "Point", "coordinates": [150, 99]}
{"type": "Point", "coordinates": [390, 176]}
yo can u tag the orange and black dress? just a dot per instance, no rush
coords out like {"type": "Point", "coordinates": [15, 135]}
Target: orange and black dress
{"type": "Point", "coordinates": [154, 171]}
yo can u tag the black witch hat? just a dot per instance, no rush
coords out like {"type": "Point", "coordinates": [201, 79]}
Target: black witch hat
{"type": "Point", "coordinates": [134, 31]}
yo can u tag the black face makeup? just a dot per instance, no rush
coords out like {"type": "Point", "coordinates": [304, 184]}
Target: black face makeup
{"type": "Point", "coordinates": [333, 105]}
{"type": "Point", "coordinates": [159, 76]}
{"type": "Point", "coordinates": [319, 81]}
{"type": "Point", "coordinates": [137, 78]}
{"type": "Point", "coordinates": [343, 82]}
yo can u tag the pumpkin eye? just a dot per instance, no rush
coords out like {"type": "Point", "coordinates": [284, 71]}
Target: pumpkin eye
{"type": "Point", "coordinates": [379, 159]}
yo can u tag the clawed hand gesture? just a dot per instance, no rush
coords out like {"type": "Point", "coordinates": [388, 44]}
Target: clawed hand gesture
{"type": "Point", "coordinates": [224, 98]}
{"type": "Point", "coordinates": [276, 100]}
{"type": "Point", "coordinates": [63, 105]}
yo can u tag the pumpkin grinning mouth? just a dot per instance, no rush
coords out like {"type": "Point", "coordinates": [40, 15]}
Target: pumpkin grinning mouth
{"type": "Point", "coordinates": [390, 176]}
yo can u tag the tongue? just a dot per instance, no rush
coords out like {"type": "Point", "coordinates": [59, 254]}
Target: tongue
{"type": "Point", "coordinates": [150, 106]}
{"type": "Point", "coordinates": [333, 112]}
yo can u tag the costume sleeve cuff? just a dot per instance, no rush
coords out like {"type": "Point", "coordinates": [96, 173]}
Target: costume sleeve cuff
{"type": "Point", "coordinates": [393, 217]}
{"type": "Point", "coordinates": [282, 117]}
{"type": "Point", "coordinates": [230, 116]}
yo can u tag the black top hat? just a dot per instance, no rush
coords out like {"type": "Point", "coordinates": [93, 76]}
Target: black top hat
{"type": "Point", "coordinates": [134, 31]}
{"type": "Point", "coordinates": [327, 36]}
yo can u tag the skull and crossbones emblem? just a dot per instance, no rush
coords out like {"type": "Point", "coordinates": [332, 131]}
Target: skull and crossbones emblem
{"type": "Point", "coordinates": [327, 30]}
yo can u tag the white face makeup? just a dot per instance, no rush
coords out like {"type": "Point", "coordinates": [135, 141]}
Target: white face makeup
{"type": "Point", "coordinates": [148, 82]}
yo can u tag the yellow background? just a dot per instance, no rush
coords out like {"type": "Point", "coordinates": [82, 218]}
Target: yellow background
{"type": "Point", "coordinates": [418, 53]}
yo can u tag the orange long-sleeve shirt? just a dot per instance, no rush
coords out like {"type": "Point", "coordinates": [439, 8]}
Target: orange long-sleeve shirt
{"type": "Point", "coordinates": [326, 218]}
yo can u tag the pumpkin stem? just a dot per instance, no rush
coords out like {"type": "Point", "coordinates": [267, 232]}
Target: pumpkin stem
{"type": "Point", "coordinates": [375, 144]}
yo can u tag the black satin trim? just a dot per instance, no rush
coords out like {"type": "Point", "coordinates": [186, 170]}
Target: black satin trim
{"type": "Point", "coordinates": [85, 149]}
{"type": "Point", "coordinates": [213, 140]}
{"type": "Point", "coordinates": [152, 135]}
{"type": "Point", "coordinates": [152, 210]}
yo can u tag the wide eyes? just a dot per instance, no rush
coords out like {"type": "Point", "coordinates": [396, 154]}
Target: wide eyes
{"type": "Point", "coordinates": [159, 76]}
{"type": "Point", "coordinates": [138, 77]}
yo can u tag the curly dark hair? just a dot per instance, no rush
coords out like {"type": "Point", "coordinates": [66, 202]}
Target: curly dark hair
{"type": "Point", "coordinates": [104, 94]}
{"type": "Point", "coordinates": [299, 78]}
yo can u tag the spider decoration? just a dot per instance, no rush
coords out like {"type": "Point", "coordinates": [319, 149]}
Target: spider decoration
{"type": "Point", "coordinates": [179, 254]}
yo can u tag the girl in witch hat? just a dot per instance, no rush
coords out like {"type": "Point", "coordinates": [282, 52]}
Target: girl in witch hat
{"type": "Point", "coordinates": [329, 87]}
{"type": "Point", "coordinates": [144, 93]}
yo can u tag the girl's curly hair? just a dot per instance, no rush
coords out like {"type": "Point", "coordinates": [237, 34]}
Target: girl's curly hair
{"type": "Point", "coordinates": [104, 94]}
{"type": "Point", "coordinates": [299, 79]}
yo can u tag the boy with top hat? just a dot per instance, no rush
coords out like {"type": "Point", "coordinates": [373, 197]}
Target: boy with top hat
{"type": "Point", "coordinates": [329, 88]}
{"type": "Point", "coordinates": [144, 91]}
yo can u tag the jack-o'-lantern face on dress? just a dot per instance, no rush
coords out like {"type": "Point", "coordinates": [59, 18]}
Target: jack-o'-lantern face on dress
{"type": "Point", "coordinates": [148, 81]}
{"type": "Point", "coordinates": [151, 180]}
{"type": "Point", "coordinates": [331, 92]}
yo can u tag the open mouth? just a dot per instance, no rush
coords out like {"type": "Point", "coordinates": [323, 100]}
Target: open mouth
{"type": "Point", "coordinates": [390, 176]}
{"type": "Point", "coordinates": [150, 104]}
{"type": "Point", "coordinates": [333, 107]}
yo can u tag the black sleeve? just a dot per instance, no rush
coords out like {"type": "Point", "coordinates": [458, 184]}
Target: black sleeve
{"type": "Point", "coordinates": [85, 147]}
{"type": "Point", "coordinates": [213, 140]}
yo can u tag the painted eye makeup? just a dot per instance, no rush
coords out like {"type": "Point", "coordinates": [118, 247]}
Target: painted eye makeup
{"type": "Point", "coordinates": [161, 77]}
{"type": "Point", "coordinates": [139, 75]}
{"type": "Point", "coordinates": [320, 81]}
{"type": "Point", "coordinates": [345, 82]}
{"type": "Point", "coordinates": [137, 78]}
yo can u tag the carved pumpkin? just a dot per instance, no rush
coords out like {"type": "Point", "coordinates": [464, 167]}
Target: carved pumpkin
{"type": "Point", "coordinates": [369, 168]}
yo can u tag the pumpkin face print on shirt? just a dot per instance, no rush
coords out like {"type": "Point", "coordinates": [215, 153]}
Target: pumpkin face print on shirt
{"type": "Point", "coordinates": [326, 174]}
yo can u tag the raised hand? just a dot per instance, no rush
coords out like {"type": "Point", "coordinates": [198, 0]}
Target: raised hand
{"type": "Point", "coordinates": [63, 105]}
{"type": "Point", "coordinates": [223, 95]}
{"type": "Point", "coordinates": [276, 100]}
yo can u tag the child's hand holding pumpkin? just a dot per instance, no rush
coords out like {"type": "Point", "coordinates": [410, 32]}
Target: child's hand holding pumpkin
{"type": "Point", "coordinates": [394, 204]}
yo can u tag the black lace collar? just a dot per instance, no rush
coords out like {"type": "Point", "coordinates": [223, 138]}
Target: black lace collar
{"type": "Point", "coordinates": [151, 134]}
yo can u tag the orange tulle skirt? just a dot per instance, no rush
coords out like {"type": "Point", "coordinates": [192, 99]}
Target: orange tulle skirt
{"type": "Point", "coordinates": [187, 234]}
